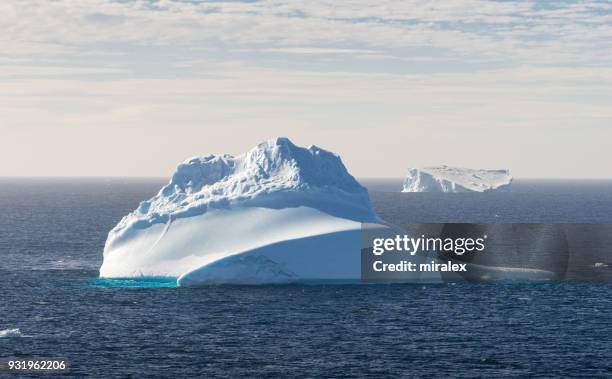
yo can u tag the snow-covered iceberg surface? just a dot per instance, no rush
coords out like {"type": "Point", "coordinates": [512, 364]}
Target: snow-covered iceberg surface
{"type": "Point", "coordinates": [456, 179]}
{"type": "Point", "coordinates": [277, 213]}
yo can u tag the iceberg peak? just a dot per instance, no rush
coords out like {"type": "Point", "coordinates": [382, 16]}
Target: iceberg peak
{"type": "Point", "coordinates": [275, 172]}
{"type": "Point", "coordinates": [273, 165]}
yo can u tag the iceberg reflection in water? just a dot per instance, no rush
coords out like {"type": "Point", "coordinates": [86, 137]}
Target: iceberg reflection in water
{"type": "Point", "coordinates": [144, 282]}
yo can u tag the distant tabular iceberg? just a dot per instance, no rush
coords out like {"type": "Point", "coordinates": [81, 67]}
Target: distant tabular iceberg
{"type": "Point", "coordinates": [456, 179]}
{"type": "Point", "coordinates": [277, 213]}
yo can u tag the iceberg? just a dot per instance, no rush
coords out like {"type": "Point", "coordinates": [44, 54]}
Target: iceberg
{"type": "Point", "coordinates": [456, 179]}
{"type": "Point", "coordinates": [277, 213]}
{"type": "Point", "coordinates": [8, 333]}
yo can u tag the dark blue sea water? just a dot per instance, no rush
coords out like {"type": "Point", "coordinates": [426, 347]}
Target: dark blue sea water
{"type": "Point", "coordinates": [52, 233]}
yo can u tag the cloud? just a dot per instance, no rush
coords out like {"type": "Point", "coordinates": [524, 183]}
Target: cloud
{"type": "Point", "coordinates": [315, 50]}
{"type": "Point", "coordinates": [485, 75]}
{"type": "Point", "coordinates": [519, 30]}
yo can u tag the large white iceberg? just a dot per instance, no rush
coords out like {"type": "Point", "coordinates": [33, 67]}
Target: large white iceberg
{"type": "Point", "coordinates": [274, 214]}
{"type": "Point", "coordinates": [456, 179]}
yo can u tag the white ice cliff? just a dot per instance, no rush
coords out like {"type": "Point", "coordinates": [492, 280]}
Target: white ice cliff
{"type": "Point", "coordinates": [274, 214]}
{"type": "Point", "coordinates": [456, 179]}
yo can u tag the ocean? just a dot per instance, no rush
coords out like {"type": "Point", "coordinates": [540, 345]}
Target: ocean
{"type": "Point", "coordinates": [52, 233]}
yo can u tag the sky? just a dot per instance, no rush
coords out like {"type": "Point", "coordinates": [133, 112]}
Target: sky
{"type": "Point", "coordinates": [133, 88]}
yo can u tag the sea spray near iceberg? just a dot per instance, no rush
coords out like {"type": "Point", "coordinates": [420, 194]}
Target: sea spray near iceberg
{"type": "Point", "coordinates": [283, 211]}
{"type": "Point", "coordinates": [456, 179]}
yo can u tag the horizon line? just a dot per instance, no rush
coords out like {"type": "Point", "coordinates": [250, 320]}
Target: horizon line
{"type": "Point", "coordinates": [358, 177]}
